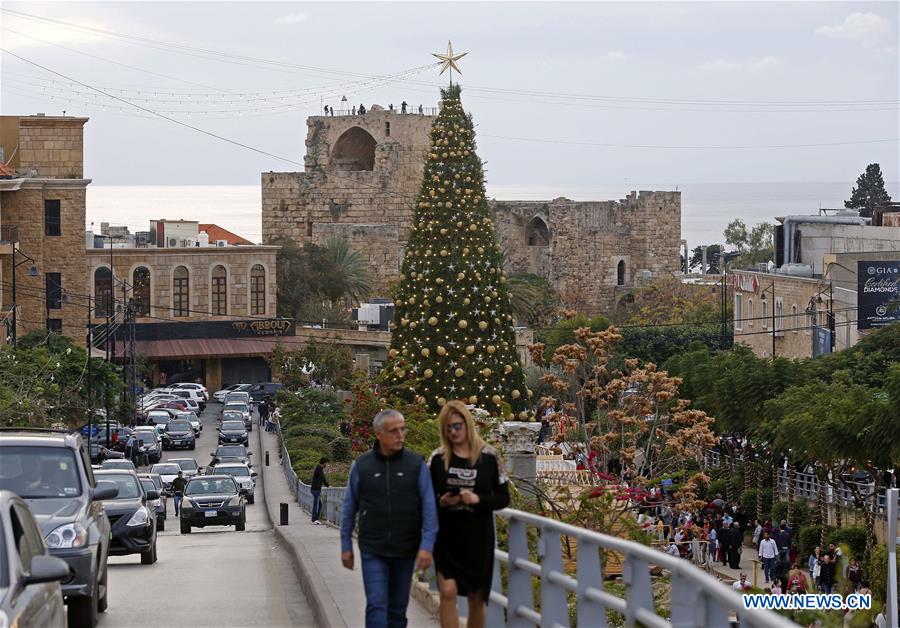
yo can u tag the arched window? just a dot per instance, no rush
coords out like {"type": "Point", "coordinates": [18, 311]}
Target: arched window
{"type": "Point", "coordinates": [765, 314]}
{"type": "Point", "coordinates": [103, 292]}
{"type": "Point", "coordinates": [140, 279]}
{"type": "Point", "coordinates": [620, 273]}
{"type": "Point", "coordinates": [537, 233]}
{"type": "Point", "coordinates": [750, 312]}
{"type": "Point", "coordinates": [219, 291]}
{"type": "Point", "coordinates": [795, 318]}
{"type": "Point", "coordinates": [181, 292]}
{"type": "Point", "coordinates": [257, 290]}
{"type": "Point", "coordinates": [354, 150]}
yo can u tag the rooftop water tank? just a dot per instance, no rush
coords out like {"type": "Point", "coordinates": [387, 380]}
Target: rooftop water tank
{"type": "Point", "coordinates": [796, 270]}
{"type": "Point", "coordinates": [203, 238]}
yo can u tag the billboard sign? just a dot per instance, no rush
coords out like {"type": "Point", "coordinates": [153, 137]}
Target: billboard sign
{"type": "Point", "coordinates": [878, 296]}
{"type": "Point", "coordinates": [822, 341]}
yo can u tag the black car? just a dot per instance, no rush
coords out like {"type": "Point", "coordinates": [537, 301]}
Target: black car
{"type": "Point", "coordinates": [132, 517]}
{"type": "Point", "coordinates": [230, 453]}
{"type": "Point", "coordinates": [262, 390]}
{"type": "Point", "coordinates": [212, 500]}
{"type": "Point", "coordinates": [51, 471]}
{"type": "Point", "coordinates": [179, 434]}
{"type": "Point", "coordinates": [149, 484]}
{"type": "Point", "coordinates": [233, 432]}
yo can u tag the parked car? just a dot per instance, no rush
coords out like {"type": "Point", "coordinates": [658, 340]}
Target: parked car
{"type": "Point", "coordinates": [118, 465]}
{"type": "Point", "coordinates": [233, 432]}
{"type": "Point", "coordinates": [212, 500]}
{"type": "Point", "coordinates": [192, 404]}
{"type": "Point", "coordinates": [152, 442]}
{"type": "Point", "coordinates": [159, 418]}
{"type": "Point", "coordinates": [238, 395]}
{"type": "Point", "coordinates": [188, 466]}
{"type": "Point", "coordinates": [191, 418]}
{"type": "Point", "coordinates": [167, 471]}
{"type": "Point", "coordinates": [179, 434]}
{"type": "Point", "coordinates": [30, 594]}
{"type": "Point", "coordinates": [219, 395]}
{"type": "Point", "coordinates": [132, 517]}
{"type": "Point", "coordinates": [174, 404]}
{"type": "Point", "coordinates": [230, 453]}
{"type": "Point", "coordinates": [243, 408]}
{"type": "Point", "coordinates": [260, 391]}
{"type": "Point", "coordinates": [189, 395]}
{"type": "Point", "coordinates": [192, 386]}
{"type": "Point", "coordinates": [51, 471]}
{"type": "Point", "coordinates": [160, 488]}
{"type": "Point", "coordinates": [244, 477]}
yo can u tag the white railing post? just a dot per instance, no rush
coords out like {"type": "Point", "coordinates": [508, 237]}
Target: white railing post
{"type": "Point", "coordinates": [519, 579]}
{"type": "Point", "coordinates": [590, 575]}
{"type": "Point", "coordinates": [639, 593]}
{"type": "Point", "coordinates": [554, 603]}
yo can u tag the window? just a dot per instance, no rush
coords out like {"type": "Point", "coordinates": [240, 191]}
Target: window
{"type": "Point", "coordinates": [219, 291]}
{"type": "Point", "coordinates": [309, 226]}
{"type": "Point", "coordinates": [257, 290]}
{"type": "Point", "coordinates": [795, 318]}
{"type": "Point", "coordinates": [103, 293]}
{"type": "Point", "coordinates": [620, 273]}
{"type": "Point", "coordinates": [779, 314]}
{"type": "Point", "coordinates": [810, 319]}
{"type": "Point", "coordinates": [387, 129]}
{"type": "Point", "coordinates": [765, 314]}
{"type": "Point", "coordinates": [54, 325]}
{"type": "Point", "coordinates": [537, 233]}
{"type": "Point", "coordinates": [181, 293]}
{"type": "Point", "coordinates": [140, 279]}
{"type": "Point", "coordinates": [738, 312]}
{"type": "Point", "coordinates": [53, 290]}
{"type": "Point", "coordinates": [52, 221]}
{"type": "Point", "coordinates": [750, 312]}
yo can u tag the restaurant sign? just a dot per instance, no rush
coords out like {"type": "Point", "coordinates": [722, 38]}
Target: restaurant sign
{"type": "Point", "coordinates": [270, 327]}
{"type": "Point", "coordinates": [878, 296]}
{"type": "Point", "coordinates": [247, 328]}
{"type": "Point", "coordinates": [745, 283]}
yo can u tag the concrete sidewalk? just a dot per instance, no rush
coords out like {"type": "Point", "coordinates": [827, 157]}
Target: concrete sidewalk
{"type": "Point", "coordinates": [335, 594]}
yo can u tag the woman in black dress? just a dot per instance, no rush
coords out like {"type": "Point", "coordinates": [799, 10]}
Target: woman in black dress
{"type": "Point", "coordinates": [470, 483]}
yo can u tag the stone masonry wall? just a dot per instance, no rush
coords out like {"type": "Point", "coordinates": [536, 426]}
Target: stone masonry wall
{"type": "Point", "coordinates": [54, 146]}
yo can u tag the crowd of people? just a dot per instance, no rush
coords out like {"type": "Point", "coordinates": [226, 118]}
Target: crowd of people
{"type": "Point", "coordinates": [361, 110]}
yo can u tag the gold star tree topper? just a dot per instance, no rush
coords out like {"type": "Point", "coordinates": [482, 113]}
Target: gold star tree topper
{"type": "Point", "coordinates": [448, 60]}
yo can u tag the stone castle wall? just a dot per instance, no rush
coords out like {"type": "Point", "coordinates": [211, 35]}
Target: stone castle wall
{"type": "Point", "coordinates": [362, 187]}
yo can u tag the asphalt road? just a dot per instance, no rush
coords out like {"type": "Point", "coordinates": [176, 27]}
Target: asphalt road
{"type": "Point", "coordinates": [214, 576]}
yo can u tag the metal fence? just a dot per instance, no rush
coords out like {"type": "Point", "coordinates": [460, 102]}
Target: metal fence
{"type": "Point", "coordinates": [410, 111]}
{"type": "Point", "coordinates": [698, 599]}
{"type": "Point", "coordinates": [332, 497]}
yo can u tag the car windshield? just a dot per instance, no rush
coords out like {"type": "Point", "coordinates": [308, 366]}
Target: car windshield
{"type": "Point", "coordinates": [233, 416]}
{"type": "Point", "coordinates": [233, 425]}
{"type": "Point", "coordinates": [155, 480]}
{"type": "Point", "coordinates": [235, 407]}
{"type": "Point", "coordinates": [40, 472]}
{"type": "Point", "coordinates": [239, 471]}
{"type": "Point", "coordinates": [187, 416]}
{"type": "Point", "coordinates": [208, 486]}
{"type": "Point", "coordinates": [187, 465]}
{"type": "Point", "coordinates": [116, 464]}
{"type": "Point", "coordinates": [165, 469]}
{"type": "Point", "coordinates": [234, 451]}
{"type": "Point", "coordinates": [127, 483]}
{"type": "Point", "coordinates": [178, 426]}
{"type": "Point", "coordinates": [159, 417]}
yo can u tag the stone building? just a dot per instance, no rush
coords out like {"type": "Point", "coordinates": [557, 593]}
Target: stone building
{"type": "Point", "coordinates": [363, 173]}
{"type": "Point", "coordinates": [42, 215]}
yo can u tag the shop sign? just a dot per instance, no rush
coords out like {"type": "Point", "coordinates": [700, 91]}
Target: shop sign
{"type": "Point", "coordinates": [878, 293]}
{"type": "Point", "coordinates": [745, 283]}
{"type": "Point", "coordinates": [271, 327]}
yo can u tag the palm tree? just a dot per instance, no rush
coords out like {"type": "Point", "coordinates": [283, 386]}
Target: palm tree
{"type": "Point", "coordinates": [353, 269]}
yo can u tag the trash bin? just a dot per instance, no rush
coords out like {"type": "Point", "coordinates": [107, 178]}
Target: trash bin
{"type": "Point", "coordinates": [284, 514]}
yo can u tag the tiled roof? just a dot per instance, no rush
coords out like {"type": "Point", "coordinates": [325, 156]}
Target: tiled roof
{"type": "Point", "coordinates": [218, 233]}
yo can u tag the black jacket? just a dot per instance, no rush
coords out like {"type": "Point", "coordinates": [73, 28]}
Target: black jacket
{"type": "Point", "coordinates": [318, 479]}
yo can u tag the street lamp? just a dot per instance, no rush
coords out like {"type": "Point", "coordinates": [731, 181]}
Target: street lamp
{"type": "Point", "coordinates": [763, 298]}
{"type": "Point", "coordinates": [816, 299]}
{"type": "Point", "coordinates": [32, 272]}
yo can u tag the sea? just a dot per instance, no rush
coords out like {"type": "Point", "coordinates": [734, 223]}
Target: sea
{"type": "Point", "coordinates": [706, 208]}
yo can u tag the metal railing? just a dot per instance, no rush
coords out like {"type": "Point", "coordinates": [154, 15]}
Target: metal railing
{"type": "Point", "coordinates": [410, 111]}
{"type": "Point", "coordinates": [698, 599]}
{"type": "Point", "coordinates": [332, 496]}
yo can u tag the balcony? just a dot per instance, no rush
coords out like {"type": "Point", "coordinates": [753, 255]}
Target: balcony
{"type": "Point", "coordinates": [9, 236]}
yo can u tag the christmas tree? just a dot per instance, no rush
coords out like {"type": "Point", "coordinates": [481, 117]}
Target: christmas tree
{"type": "Point", "coordinates": [453, 335]}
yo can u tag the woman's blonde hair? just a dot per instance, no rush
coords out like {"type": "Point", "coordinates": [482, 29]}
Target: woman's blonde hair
{"type": "Point", "coordinates": [476, 444]}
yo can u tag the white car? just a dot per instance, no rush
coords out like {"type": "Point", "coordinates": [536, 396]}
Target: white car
{"type": "Point", "coordinates": [242, 474]}
{"type": "Point", "coordinates": [237, 395]}
{"type": "Point", "coordinates": [160, 418]}
{"type": "Point", "coordinates": [191, 386]}
{"type": "Point", "coordinates": [195, 422]}
{"type": "Point", "coordinates": [219, 395]}
{"type": "Point", "coordinates": [168, 471]}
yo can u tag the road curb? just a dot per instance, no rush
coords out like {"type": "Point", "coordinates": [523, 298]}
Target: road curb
{"type": "Point", "coordinates": [319, 597]}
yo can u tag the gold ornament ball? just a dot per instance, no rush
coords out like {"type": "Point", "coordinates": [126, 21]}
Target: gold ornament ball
{"type": "Point", "coordinates": [400, 373]}
{"type": "Point", "coordinates": [470, 349]}
{"type": "Point", "coordinates": [458, 372]}
{"type": "Point", "coordinates": [496, 321]}
{"type": "Point", "coordinates": [529, 393]}
{"type": "Point", "coordinates": [480, 249]}
{"type": "Point", "coordinates": [486, 372]}
{"type": "Point", "coordinates": [473, 226]}
{"type": "Point", "coordinates": [507, 369]}
{"type": "Point", "coordinates": [441, 401]}
{"type": "Point", "coordinates": [439, 281]}
{"type": "Point", "coordinates": [461, 276]}
{"type": "Point", "coordinates": [523, 415]}
{"type": "Point", "coordinates": [487, 299]}
{"type": "Point", "coordinates": [412, 300]}
{"type": "Point", "coordinates": [473, 399]}
{"type": "Point", "coordinates": [405, 352]}
{"type": "Point", "coordinates": [413, 325]}
{"type": "Point", "coordinates": [444, 253]}
{"type": "Point", "coordinates": [428, 373]}
{"type": "Point", "coordinates": [420, 399]}
{"type": "Point", "coordinates": [496, 399]}
{"type": "Point", "coordinates": [491, 349]}
{"type": "Point", "coordinates": [443, 232]}
{"type": "Point", "coordinates": [392, 353]}
{"type": "Point", "coordinates": [425, 352]}
{"type": "Point", "coordinates": [439, 298]}
{"type": "Point", "coordinates": [433, 320]}
{"type": "Point", "coordinates": [404, 322]}
{"type": "Point", "coordinates": [466, 301]}
{"type": "Point", "coordinates": [459, 224]}
{"type": "Point", "coordinates": [482, 325]}
{"type": "Point", "coordinates": [516, 394]}
{"type": "Point", "coordinates": [465, 250]}
{"type": "Point", "coordinates": [448, 204]}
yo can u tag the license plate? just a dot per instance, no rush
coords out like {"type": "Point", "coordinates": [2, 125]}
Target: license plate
{"type": "Point", "coordinates": [211, 513]}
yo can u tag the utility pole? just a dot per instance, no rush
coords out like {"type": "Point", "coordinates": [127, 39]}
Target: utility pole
{"type": "Point", "coordinates": [90, 390]}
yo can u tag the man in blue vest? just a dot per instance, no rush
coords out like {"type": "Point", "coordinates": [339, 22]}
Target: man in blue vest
{"type": "Point", "coordinates": [390, 488]}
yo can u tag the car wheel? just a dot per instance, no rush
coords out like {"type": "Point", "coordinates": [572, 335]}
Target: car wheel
{"type": "Point", "coordinates": [149, 557]}
{"type": "Point", "coordinates": [83, 610]}
{"type": "Point", "coordinates": [103, 602]}
{"type": "Point", "coordinates": [185, 528]}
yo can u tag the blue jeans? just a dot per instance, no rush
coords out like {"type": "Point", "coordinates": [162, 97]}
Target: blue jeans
{"type": "Point", "coordinates": [387, 582]}
{"type": "Point", "coordinates": [769, 568]}
{"type": "Point", "coordinates": [178, 499]}
{"type": "Point", "coordinates": [317, 503]}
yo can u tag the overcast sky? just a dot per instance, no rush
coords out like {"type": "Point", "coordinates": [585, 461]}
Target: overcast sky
{"type": "Point", "coordinates": [643, 76]}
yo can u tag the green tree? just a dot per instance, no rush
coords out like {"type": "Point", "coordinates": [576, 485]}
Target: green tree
{"type": "Point", "coordinates": [453, 333]}
{"type": "Point", "coordinates": [713, 251]}
{"type": "Point", "coordinates": [667, 300]}
{"type": "Point", "coordinates": [869, 192]}
{"type": "Point", "coordinates": [754, 245]}
{"type": "Point", "coordinates": [532, 299]}
{"type": "Point", "coordinates": [306, 274]}
{"type": "Point", "coordinates": [354, 271]}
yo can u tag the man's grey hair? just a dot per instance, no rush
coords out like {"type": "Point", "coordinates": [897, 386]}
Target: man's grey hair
{"type": "Point", "coordinates": [384, 415]}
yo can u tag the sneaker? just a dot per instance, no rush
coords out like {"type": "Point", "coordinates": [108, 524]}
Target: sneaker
{"type": "Point", "coordinates": [317, 523]}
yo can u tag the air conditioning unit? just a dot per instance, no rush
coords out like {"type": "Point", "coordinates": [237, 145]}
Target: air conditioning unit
{"type": "Point", "coordinates": [173, 242]}
{"type": "Point", "coordinates": [221, 242]}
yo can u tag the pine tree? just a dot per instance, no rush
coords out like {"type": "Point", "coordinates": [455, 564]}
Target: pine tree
{"type": "Point", "coordinates": [453, 335]}
{"type": "Point", "coordinates": [869, 192]}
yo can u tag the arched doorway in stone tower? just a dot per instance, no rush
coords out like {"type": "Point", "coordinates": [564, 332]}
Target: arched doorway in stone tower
{"type": "Point", "coordinates": [537, 233]}
{"type": "Point", "coordinates": [354, 150]}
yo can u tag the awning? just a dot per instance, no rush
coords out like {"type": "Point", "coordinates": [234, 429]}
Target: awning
{"type": "Point", "coordinates": [214, 347]}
